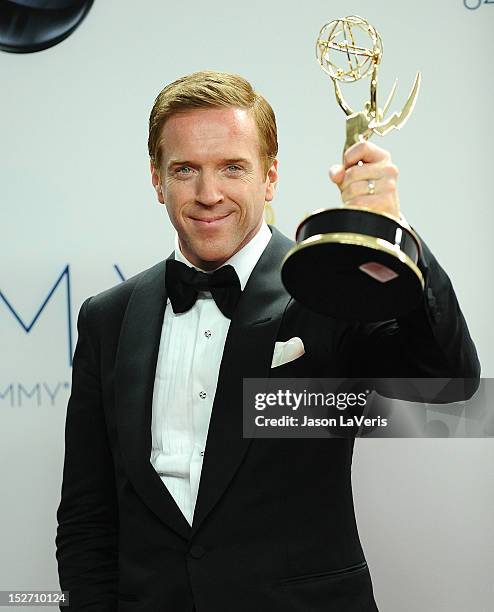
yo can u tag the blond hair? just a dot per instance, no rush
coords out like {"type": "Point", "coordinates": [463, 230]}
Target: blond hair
{"type": "Point", "coordinates": [212, 90]}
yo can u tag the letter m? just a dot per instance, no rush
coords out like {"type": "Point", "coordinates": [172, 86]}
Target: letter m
{"type": "Point", "coordinates": [27, 327]}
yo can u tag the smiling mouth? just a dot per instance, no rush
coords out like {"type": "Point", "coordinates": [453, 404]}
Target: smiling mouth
{"type": "Point", "coordinates": [211, 220]}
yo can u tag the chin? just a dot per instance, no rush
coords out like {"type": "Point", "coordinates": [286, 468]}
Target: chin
{"type": "Point", "coordinates": [215, 256]}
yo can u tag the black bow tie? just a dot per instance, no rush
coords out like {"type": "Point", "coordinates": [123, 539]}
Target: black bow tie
{"type": "Point", "coordinates": [184, 283]}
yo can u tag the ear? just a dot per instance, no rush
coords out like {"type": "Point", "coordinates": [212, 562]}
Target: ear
{"type": "Point", "coordinates": [271, 181]}
{"type": "Point", "coordinates": [156, 181]}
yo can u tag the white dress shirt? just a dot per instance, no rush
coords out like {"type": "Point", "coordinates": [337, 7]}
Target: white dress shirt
{"type": "Point", "coordinates": [190, 352]}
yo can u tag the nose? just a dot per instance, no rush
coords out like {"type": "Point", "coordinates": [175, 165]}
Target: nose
{"type": "Point", "coordinates": [208, 190]}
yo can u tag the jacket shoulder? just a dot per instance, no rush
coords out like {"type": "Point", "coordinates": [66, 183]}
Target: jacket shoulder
{"type": "Point", "coordinates": [113, 301]}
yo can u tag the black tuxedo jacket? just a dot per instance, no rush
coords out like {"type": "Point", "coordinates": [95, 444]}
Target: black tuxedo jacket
{"type": "Point", "coordinates": [274, 526]}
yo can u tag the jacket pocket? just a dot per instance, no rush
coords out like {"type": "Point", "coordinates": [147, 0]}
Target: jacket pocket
{"type": "Point", "coordinates": [296, 366]}
{"type": "Point", "coordinates": [338, 573]}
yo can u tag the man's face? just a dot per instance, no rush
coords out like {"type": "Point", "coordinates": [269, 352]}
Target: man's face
{"type": "Point", "coordinates": [213, 182]}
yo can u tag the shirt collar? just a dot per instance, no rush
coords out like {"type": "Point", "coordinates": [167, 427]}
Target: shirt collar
{"type": "Point", "coordinates": [244, 260]}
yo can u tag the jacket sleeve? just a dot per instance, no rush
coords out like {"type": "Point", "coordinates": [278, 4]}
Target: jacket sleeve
{"type": "Point", "coordinates": [87, 534]}
{"type": "Point", "coordinates": [432, 341]}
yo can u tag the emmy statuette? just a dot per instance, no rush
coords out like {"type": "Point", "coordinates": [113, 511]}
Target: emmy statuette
{"type": "Point", "coordinates": [349, 262]}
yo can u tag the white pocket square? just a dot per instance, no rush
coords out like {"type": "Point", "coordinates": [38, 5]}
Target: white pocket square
{"type": "Point", "coordinates": [287, 351]}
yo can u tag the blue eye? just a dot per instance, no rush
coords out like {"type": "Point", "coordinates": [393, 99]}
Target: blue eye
{"type": "Point", "coordinates": [184, 170]}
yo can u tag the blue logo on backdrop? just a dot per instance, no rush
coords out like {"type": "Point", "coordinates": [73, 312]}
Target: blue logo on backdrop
{"type": "Point", "coordinates": [62, 280]}
{"type": "Point", "coordinates": [39, 394]}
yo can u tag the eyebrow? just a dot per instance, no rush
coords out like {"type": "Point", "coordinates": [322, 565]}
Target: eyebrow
{"type": "Point", "coordinates": [228, 160]}
{"type": "Point", "coordinates": [237, 160]}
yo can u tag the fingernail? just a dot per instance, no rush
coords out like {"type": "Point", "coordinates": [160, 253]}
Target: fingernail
{"type": "Point", "coordinates": [334, 170]}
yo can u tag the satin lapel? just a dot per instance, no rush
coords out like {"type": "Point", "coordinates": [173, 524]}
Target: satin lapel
{"type": "Point", "coordinates": [248, 353]}
{"type": "Point", "coordinates": [135, 371]}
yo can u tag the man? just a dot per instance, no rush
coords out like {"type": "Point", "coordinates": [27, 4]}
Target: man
{"type": "Point", "coordinates": [165, 506]}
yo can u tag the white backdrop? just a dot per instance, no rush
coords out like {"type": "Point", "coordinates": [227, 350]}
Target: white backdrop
{"type": "Point", "coordinates": [76, 192]}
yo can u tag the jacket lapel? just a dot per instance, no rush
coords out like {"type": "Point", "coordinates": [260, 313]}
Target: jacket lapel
{"type": "Point", "coordinates": [134, 382]}
{"type": "Point", "coordinates": [247, 354]}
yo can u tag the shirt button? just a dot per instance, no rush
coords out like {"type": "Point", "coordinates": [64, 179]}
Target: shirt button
{"type": "Point", "coordinates": [202, 453]}
{"type": "Point", "coordinates": [207, 333]}
{"type": "Point", "coordinates": [202, 394]}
